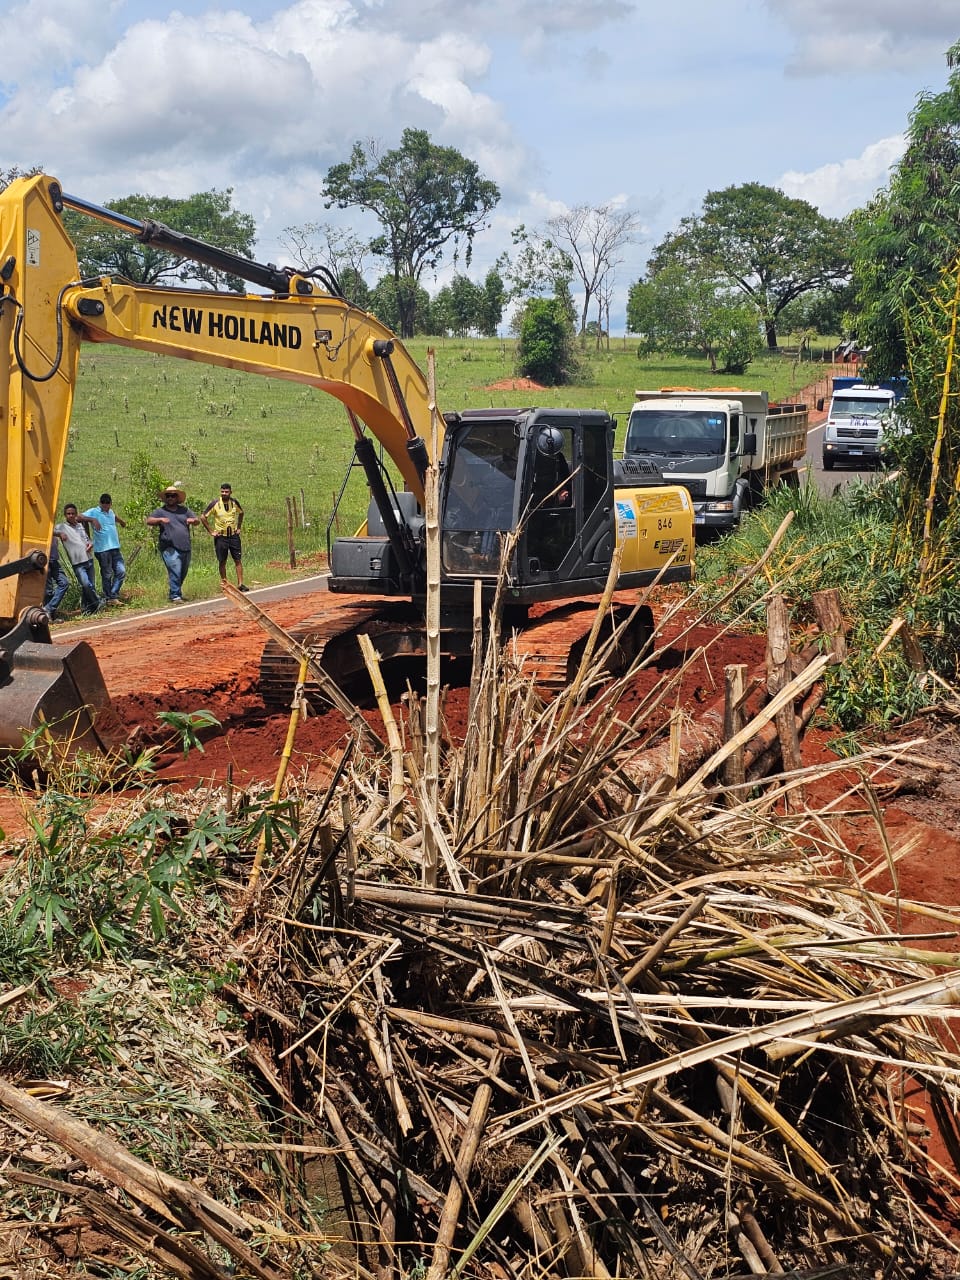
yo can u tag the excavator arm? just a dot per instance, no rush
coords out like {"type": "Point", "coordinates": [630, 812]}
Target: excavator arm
{"type": "Point", "coordinates": [320, 341]}
{"type": "Point", "coordinates": [309, 334]}
{"type": "Point", "coordinates": [297, 332]}
{"type": "Point", "coordinates": [46, 312]}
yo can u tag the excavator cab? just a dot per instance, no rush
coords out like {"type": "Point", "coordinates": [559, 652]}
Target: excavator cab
{"type": "Point", "coordinates": [546, 475]}
{"type": "Point", "coordinates": [520, 471]}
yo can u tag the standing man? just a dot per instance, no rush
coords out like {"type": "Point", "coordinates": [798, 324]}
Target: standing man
{"type": "Point", "coordinates": [79, 551]}
{"type": "Point", "coordinates": [57, 584]}
{"type": "Point", "coordinates": [174, 520]}
{"type": "Point", "coordinates": [227, 516]}
{"type": "Point", "coordinates": [106, 547]}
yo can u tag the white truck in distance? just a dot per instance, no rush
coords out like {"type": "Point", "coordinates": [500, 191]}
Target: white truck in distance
{"type": "Point", "coordinates": [726, 446]}
{"type": "Point", "coordinates": [856, 431]}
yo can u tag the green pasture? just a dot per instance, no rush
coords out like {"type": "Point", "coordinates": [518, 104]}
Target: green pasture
{"type": "Point", "coordinates": [273, 440]}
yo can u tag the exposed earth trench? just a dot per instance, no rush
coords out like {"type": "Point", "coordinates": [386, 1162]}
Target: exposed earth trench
{"type": "Point", "coordinates": [173, 661]}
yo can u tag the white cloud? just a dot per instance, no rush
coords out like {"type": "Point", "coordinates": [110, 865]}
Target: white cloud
{"type": "Point", "coordinates": [867, 36]}
{"type": "Point", "coordinates": [220, 100]}
{"type": "Point", "coordinates": [216, 99]}
{"type": "Point", "coordinates": [538, 19]}
{"type": "Point", "coordinates": [44, 37]}
{"type": "Point", "coordinates": [838, 188]}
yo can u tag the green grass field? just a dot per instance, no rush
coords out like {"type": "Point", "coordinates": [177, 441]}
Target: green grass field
{"type": "Point", "coordinates": [274, 440]}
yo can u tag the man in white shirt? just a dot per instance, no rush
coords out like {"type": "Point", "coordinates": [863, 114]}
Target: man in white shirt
{"type": "Point", "coordinates": [79, 549]}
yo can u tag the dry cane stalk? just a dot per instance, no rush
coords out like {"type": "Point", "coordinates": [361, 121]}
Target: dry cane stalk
{"type": "Point", "coordinates": [177, 1201]}
{"type": "Point", "coordinates": [431, 768]}
{"type": "Point", "coordinates": [397, 776]}
{"type": "Point", "coordinates": [296, 712]}
{"type": "Point", "coordinates": [460, 1179]}
{"type": "Point", "coordinates": [331, 689]}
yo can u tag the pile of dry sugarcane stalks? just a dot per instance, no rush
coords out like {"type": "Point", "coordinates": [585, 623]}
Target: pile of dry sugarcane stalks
{"type": "Point", "coordinates": [637, 1014]}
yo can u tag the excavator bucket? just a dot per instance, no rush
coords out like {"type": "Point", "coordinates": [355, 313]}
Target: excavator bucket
{"type": "Point", "coordinates": [59, 687]}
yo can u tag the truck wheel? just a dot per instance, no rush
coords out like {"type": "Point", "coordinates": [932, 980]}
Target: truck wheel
{"type": "Point", "coordinates": [790, 479]}
{"type": "Point", "coordinates": [827, 463]}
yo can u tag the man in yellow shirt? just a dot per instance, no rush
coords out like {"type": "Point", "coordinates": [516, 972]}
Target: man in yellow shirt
{"type": "Point", "coordinates": [227, 516]}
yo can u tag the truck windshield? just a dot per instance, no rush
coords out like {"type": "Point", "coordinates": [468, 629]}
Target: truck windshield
{"type": "Point", "coordinates": [676, 431]}
{"type": "Point", "coordinates": [849, 407]}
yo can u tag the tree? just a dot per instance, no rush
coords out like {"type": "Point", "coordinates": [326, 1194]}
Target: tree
{"type": "Point", "coordinates": [424, 195]}
{"type": "Point", "coordinates": [206, 215]}
{"type": "Point", "coordinates": [545, 342]}
{"type": "Point", "coordinates": [354, 288]}
{"type": "Point", "coordinates": [461, 305]}
{"type": "Point", "coordinates": [592, 237]}
{"type": "Point", "coordinates": [677, 310]}
{"type": "Point", "coordinates": [493, 297]}
{"type": "Point", "coordinates": [770, 247]}
{"type": "Point", "coordinates": [146, 485]}
{"type": "Point", "coordinates": [388, 297]}
{"type": "Point", "coordinates": [824, 311]}
{"type": "Point", "coordinates": [539, 266]}
{"type": "Point", "coordinates": [338, 251]}
{"type": "Point", "coordinates": [910, 231]}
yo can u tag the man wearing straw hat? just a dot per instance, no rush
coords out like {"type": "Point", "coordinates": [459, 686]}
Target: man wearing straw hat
{"type": "Point", "coordinates": [174, 520]}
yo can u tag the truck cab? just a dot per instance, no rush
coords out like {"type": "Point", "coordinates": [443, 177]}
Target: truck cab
{"type": "Point", "coordinates": [857, 429]}
{"type": "Point", "coordinates": [726, 446]}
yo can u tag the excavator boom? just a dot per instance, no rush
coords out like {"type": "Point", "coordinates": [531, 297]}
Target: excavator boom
{"type": "Point", "coordinates": [47, 312]}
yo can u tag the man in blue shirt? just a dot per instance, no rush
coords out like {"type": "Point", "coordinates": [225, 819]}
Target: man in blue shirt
{"type": "Point", "coordinates": [106, 547]}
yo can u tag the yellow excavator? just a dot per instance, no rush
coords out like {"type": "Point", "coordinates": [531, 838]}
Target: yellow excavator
{"type": "Point", "coordinates": [549, 476]}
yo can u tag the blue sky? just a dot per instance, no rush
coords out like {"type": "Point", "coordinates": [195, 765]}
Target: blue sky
{"type": "Point", "coordinates": [635, 103]}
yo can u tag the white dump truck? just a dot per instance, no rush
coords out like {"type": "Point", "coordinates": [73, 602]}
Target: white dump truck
{"type": "Point", "coordinates": [860, 419]}
{"type": "Point", "coordinates": [726, 446]}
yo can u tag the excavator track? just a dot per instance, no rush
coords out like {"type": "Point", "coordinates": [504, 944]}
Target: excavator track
{"type": "Point", "coordinates": [396, 629]}
{"type": "Point", "coordinates": [549, 644]}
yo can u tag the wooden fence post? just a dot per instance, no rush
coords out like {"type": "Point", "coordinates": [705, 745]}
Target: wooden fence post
{"type": "Point", "coordinates": [779, 675]}
{"type": "Point", "coordinates": [293, 553]}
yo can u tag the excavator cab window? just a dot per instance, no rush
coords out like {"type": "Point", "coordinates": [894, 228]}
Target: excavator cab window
{"type": "Point", "coordinates": [479, 496]}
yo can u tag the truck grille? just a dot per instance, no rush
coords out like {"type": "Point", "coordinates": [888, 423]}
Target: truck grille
{"type": "Point", "coordinates": [634, 470]}
{"type": "Point", "coordinates": [858, 433]}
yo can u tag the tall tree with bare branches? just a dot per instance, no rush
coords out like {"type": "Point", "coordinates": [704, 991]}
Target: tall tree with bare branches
{"type": "Point", "coordinates": [593, 237]}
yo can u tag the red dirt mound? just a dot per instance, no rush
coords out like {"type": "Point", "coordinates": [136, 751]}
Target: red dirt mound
{"type": "Point", "coordinates": [515, 384]}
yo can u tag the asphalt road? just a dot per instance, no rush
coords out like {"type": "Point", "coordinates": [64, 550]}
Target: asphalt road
{"type": "Point", "coordinates": [827, 482]}
{"type": "Point", "coordinates": [280, 591]}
